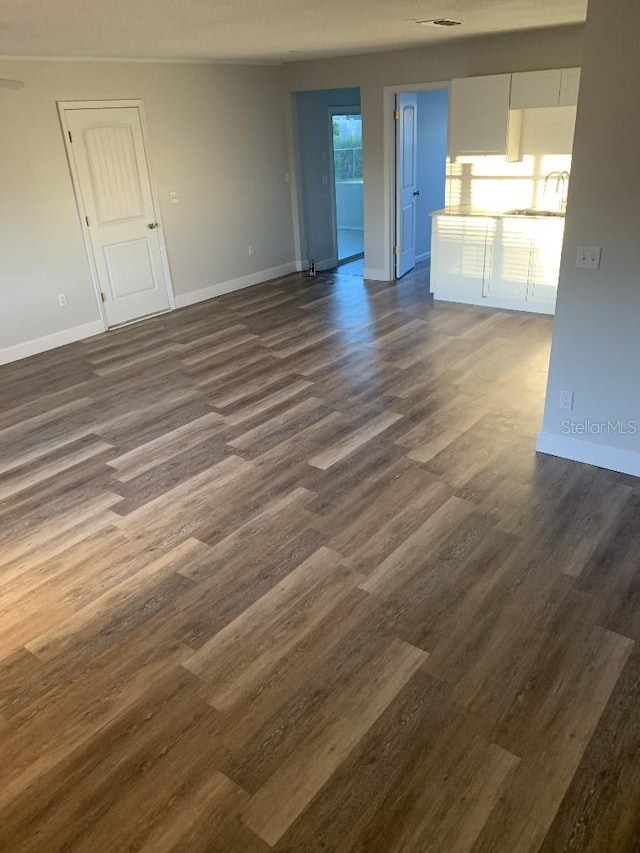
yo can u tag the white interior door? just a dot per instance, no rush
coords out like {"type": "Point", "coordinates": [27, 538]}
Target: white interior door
{"type": "Point", "coordinates": [112, 176]}
{"type": "Point", "coordinates": [406, 179]}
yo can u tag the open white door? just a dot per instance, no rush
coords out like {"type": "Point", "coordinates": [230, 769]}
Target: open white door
{"type": "Point", "coordinates": [113, 187]}
{"type": "Point", "coordinates": [406, 177]}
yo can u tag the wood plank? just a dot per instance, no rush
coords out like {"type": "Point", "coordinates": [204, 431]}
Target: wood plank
{"type": "Point", "coordinates": [277, 804]}
{"type": "Point", "coordinates": [282, 570]}
{"type": "Point", "coordinates": [352, 442]}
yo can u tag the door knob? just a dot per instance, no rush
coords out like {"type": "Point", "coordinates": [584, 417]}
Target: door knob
{"type": "Point", "coordinates": [416, 192]}
{"type": "Point", "coordinates": [152, 225]}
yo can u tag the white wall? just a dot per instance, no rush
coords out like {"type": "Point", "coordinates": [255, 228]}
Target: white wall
{"type": "Point", "coordinates": [596, 342]}
{"type": "Point", "coordinates": [216, 134]}
{"type": "Point", "coordinates": [523, 51]}
{"type": "Point", "coordinates": [433, 119]}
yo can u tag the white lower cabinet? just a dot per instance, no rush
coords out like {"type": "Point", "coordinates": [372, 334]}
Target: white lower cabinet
{"type": "Point", "coordinates": [508, 277]}
{"type": "Point", "coordinates": [459, 255]}
{"type": "Point", "coordinates": [546, 254]}
{"type": "Point", "coordinates": [502, 262]}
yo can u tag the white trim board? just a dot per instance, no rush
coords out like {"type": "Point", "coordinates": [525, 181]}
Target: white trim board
{"type": "Point", "coordinates": [49, 342]}
{"type": "Point", "coordinates": [259, 63]}
{"type": "Point", "coordinates": [204, 293]}
{"type": "Point", "coordinates": [376, 275]}
{"type": "Point", "coordinates": [600, 455]}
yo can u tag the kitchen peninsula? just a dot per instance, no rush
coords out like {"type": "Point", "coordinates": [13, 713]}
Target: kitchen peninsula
{"type": "Point", "coordinates": [501, 260]}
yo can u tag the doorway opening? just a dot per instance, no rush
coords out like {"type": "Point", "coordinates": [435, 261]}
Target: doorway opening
{"type": "Point", "coordinates": [421, 133]}
{"type": "Point", "coordinates": [348, 183]}
{"type": "Point", "coordinates": [328, 144]}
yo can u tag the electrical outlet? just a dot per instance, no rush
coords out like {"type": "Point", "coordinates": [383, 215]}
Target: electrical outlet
{"type": "Point", "coordinates": [566, 400]}
{"type": "Point", "coordinates": [250, 249]}
{"type": "Point", "coordinates": [62, 300]}
{"type": "Point", "coordinates": [174, 197]}
{"type": "Point", "coordinates": [588, 257]}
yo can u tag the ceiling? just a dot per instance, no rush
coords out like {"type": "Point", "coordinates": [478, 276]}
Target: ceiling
{"type": "Point", "coordinates": [256, 30]}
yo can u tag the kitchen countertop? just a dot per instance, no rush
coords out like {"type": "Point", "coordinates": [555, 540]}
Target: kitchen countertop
{"type": "Point", "coordinates": [467, 210]}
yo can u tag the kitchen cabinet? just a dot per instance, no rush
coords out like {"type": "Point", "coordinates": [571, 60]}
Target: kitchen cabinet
{"type": "Point", "coordinates": [479, 115]}
{"type": "Point", "coordinates": [569, 87]}
{"type": "Point", "coordinates": [556, 88]}
{"type": "Point", "coordinates": [533, 89]}
{"type": "Point", "coordinates": [508, 277]}
{"type": "Point", "coordinates": [485, 112]}
{"type": "Point", "coordinates": [546, 254]}
{"type": "Point", "coordinates": [497, 261]}
{"type": "Point", "coordinates": [460, 255]}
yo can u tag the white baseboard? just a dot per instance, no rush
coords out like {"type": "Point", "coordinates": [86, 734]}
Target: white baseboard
{"type": "Point", "coordinates": [425, 256]}
{"type": "Point", "coordinates": [184, 299]}
{"type": "Point", "coordinates": [326, 264]}
{"type": "Point", "coordinates": [376, 275]}
{"type": "Point", "coordinates": [600, 455]}
{"type": "Point", "coordinates": [96, 327]}
{"type": "Point", "coordinates": [47, 342]}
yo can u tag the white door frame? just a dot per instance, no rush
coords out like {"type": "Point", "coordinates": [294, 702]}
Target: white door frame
{"type": "Point", "coordinates": [354, 109]}
{"type": "Point", "coordinates": [63, 108]}
{"type": "Point", "coordinates": [389, 166]}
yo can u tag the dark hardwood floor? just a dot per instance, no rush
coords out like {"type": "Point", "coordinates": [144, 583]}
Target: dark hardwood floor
{"type": "Point", "coordinates": [283, 571]}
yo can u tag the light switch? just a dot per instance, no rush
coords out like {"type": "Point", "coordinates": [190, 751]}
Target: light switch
{"type": "Point", "coordinates": [589, 257]}
{"type": "Point", "coordinates": [174, 197]}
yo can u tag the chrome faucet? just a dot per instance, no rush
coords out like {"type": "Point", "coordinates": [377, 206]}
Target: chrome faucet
{"type": "Point", "coordinates": [562, 181]}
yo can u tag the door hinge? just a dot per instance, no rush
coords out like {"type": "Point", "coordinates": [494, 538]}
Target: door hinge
{"type": "Point", "coordinates": [103, 297]}
{"type": "Point", "coordinates": [396, 250]}
{"type": "Point", "coordinates": [70, 137]}
{"type": "Point", "coordinates": [396, 115]}
{"type": "Point", "coordinates": [86, 219]}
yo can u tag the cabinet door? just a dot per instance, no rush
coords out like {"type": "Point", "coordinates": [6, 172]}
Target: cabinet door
{"type": "Point", "coordinates": [458, 257]}
{"type": "Point", "coordinates": [569, 87]}
{"type": "Point", "coordinates": [509, 277]}
{"type": "Point", "coordinates": [546, 255]}
{"type": "Point", "coordinates": [479, 115]}
{"type": "Point", "coordinates": [533, 89]}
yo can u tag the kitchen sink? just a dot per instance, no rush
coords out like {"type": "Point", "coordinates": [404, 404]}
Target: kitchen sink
{"type": "Point", "coordinates": [532, 211]}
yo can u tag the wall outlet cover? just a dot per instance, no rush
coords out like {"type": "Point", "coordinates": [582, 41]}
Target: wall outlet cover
{"type": "Point", "coordinates": [588, 257]}
{"type": "Point", "coordinates": [566, 399]}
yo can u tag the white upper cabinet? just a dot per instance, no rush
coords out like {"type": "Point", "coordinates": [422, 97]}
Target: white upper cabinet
{"type": "Point", "coordinates": [479, 115]}
{"type": "Point", "coordinates": [485, 113]}
{"type": "Point", "coordinates": [569, 87]}
{"type": "Point", "coordinates": [556, 88]}
{"type": "Point", "coordinates": [533, 89]}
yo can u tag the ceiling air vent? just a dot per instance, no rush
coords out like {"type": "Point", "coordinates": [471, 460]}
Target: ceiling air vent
{"type": "Point", "coordinates": [440, 22]}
